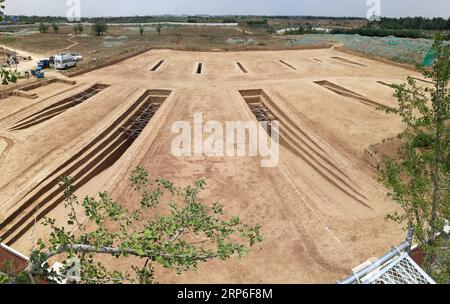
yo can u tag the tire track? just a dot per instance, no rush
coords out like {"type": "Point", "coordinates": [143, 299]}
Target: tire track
{"type": "Point", "coordinates": [9, 144]}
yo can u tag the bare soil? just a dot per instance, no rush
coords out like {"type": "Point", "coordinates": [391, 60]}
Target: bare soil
{"type": "Point", "coordinates": [321, 209]}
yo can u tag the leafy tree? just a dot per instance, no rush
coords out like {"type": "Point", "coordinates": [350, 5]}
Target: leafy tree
{"type": "Point", "coordinates": [171, 228]}
{"type": "Point", "coordinates": [417, 23]}
{"type": "Point", "coordinates": [158, 28]}
{"type": "Point", "coordinates": [78, 28]}
{"type": "Point", "coordinates": [381, 32]}
{"type": "Point", "coordinates": [43, 28]}
{"type": "Point", "coordinates": [141, 29]}
{"type": "Point", "coordinates": [55, 27]}
{"type": "Point", "coordinates": [100, 28]}
{"type": "Point", "coordinates": [8, 76]}
{"type": "Point", "coordinates": [420, 182]}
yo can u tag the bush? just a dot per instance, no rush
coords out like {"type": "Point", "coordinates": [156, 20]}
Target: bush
{"type": "Point", "coordinates": [446, 36]}
{"type": "Point", "coordinates": [43, 28]}
{"type": "Point", "coordinates": [422, 140]}
{"type": "Point", "coordinates": [78, 28]}
{"type": "Point", "coordinates": [99, 28]}
{"type": "Point", "coordinates": [8, 76]}
{"type": "Point", "coordinates": [55, 28]}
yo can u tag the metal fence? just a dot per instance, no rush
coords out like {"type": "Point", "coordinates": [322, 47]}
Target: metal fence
{"type": "Point", "coordinates": [395, 267]}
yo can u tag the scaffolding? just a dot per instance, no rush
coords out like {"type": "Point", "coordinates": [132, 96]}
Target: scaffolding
{"type": "Point", "coordinates": [139, 121]}
{"type": "Point", "coordinates": [395, 267]}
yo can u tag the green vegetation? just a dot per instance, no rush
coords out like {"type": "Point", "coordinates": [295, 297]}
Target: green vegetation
{"type": "Point", "coordinates": [257, 22]}
{"type": "Point", "coordinates": [403, 50]}
{"type": "Point", "coordinates": [158, 28]}
{"type": "Point", "coordinates": [55, 27]}
{"type": "Point", "coordinates": [141, 29]}
{"type": "Point", "coordinates": [78, 28]}
{"type": "Point", "coordinates": [99, 28]}
{"type": "Point", "coordinates": [419, 182]}
{"type": "Point", "coordinates": [415, 23]}
{"type": "Point", "coordinates": [380, 32]}
{"type": "Point", "coordinates": [8, 76]}
{"type": "Point", "coordinates": [304, 30]}
{"type": "Point", "coordinates": [422, 140]}
{"type": "Point", "coordinates": [43, 28]}
{"type": "Point", "coordinates": [132, 19]}
{"type": "Point", "coordinates": [170, 229]}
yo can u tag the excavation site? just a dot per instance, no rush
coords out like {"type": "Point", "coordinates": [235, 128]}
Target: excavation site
{"type": "Point", "coordinates": [321, 208]}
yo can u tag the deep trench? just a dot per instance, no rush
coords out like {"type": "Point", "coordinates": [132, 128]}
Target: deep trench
{"type": "Point", "coordinates": [57, 108]}
{"type": "Point", "coordinates": [108, 147]}
{"type": "Point", "coordinates": [157, 66]}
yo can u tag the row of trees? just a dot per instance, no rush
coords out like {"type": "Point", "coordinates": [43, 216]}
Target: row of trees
{"type": "Point", "coordinates": [99, 28]}
{"type": "Point", "coordinates": [303, 30]}
{"type": "Point", "coordinates": [6, 75]}
{"type": "Point", "coordinates": [43, 28]}
{"type": "Point", "coordinates": [381, 32]}
{"type": "Point", "coordinates": [132, 19]}
{"type": "Point", "coordinates": [415, 23]}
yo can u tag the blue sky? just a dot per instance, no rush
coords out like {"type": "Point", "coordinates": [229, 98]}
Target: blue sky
{"type": "Point", "coordinates": [358, 8]}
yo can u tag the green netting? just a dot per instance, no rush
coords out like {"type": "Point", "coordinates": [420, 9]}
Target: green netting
{"type": "Point", "coordinates": [429, 58]}
{"type": "Point", "coordinates": [406, 50]}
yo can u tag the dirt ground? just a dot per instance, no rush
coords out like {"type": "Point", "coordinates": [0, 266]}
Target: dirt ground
{"type": "Point", "coordinates": [321, 209]}
{"type": "Point", "coordinates": [120, 40]}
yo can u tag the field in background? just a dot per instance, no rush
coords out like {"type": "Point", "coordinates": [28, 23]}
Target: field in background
{"type": "Point", "coordinates": [123, 39]}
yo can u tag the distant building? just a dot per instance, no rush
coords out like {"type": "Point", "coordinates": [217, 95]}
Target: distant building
{"type": "Point", "coordinates": [321, 29]}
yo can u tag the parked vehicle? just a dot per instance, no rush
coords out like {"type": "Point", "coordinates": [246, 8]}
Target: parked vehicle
{"type": "Point", "coordinates": [44, 63]}
{"type": "Point", "coordinates": [38, 73]}
{"type": "Point", "coordinates": [64, 61]}
{"type": "Point", "coordinates": [77, 57]}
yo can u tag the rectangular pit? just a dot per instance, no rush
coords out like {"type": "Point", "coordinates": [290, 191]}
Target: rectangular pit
{"type": "Point", "coordinates": [46, 83]}
{"type": "Point", "coordinates": [199, 68]}
{"type": "Point", "coordinates": [348, 61]}
{"type": "Point", "coordinates": [255, 102]}
{"type": "Point", "coordinates": [348, 93]}
{"type": "Point", "coordinates": [157, 66]}
{"type": "Point", "coordinates": [383, 83]}
{"type": "Point", "coordinates": [423, 80]}
{"type": "Point", "coordinates": [93, 159]}
{"type": "Point", "coordinates": [287, 64]}
{"type": "Point", "coordinates": [244, 70]}
{"type": "Point", "coordinates": [58, 108]}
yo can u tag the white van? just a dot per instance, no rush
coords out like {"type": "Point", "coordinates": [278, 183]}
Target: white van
{"type": "Point", "coordinates": [64, 61]}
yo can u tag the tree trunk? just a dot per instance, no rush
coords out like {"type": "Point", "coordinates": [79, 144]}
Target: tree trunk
{"type": "Point", "coordinates": [436, 174]}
